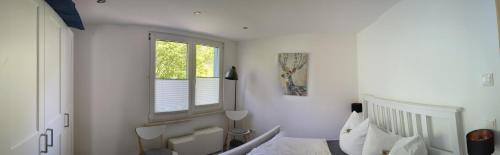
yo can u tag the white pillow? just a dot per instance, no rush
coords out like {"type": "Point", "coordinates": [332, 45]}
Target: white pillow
{"type": "Point", "coordinates": [353, 121]}
{"type": "Point", "coordinates": [377, 141]}
{"type": "Point", "coordinates": [409, 146]}
{"type": "Point", "coordinates": [351, 142]}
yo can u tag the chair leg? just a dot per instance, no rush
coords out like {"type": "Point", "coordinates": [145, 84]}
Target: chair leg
{"type": "Point", "coordinates": [226, 136]}
{"type": "Point", "coordinates": [228, 139]}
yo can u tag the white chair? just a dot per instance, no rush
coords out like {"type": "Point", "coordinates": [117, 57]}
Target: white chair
{"type": "Point", "coordinates": [236, 116]}
{"type": "Point", "coordinates": [151, 133]}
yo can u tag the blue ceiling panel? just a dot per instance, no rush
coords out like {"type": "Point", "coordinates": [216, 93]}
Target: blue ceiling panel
{"type": "Point", "coordinates": [67, 11]}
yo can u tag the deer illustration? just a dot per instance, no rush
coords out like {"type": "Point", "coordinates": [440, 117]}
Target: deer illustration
{"type": "Point", "coordinates": [290, 63]}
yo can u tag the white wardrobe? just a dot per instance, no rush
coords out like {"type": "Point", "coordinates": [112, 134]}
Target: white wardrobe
{"type": "Point", "coordinates": [36, 80]}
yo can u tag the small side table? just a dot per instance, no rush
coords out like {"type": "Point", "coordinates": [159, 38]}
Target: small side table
{"type": "Point", "coordinates": [245, 133]}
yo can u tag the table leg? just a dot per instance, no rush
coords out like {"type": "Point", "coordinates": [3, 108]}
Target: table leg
{"type": "Point", "coordinates": [227, 142]}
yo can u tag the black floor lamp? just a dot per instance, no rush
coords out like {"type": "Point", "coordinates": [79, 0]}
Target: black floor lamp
{"type": "Point", "coordinates": [232, 75]}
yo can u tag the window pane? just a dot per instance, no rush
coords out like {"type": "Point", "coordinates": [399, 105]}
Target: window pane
{"type": "Point", "coordinates": [207, 75]}
{"type": "Point", "coordinates": [171, 83]}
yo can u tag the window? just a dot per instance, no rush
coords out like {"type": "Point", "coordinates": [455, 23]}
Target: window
{"type": "Point", "coordinates": [207, 75]}
{"type": "Point", "coordinates": [185, 76]}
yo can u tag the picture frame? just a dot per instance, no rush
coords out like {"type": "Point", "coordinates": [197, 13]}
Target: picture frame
{"type": "Point", "coordinates": [293, 73]}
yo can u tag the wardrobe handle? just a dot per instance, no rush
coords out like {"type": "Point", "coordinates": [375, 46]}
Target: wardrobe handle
{"type": "Point", "coordinates": [51, 137]}
{"type": "Point", "coordinates": [46, 141]}
{"type": "Point", "coordinates": [66, 124]}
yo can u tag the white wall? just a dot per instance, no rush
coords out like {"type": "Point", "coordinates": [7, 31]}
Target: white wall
{"type": "Point", "coordinates": [111, 88]}
{"type": "Point", "coordinates": [332, 84]}
{"type": "Point", "coordinates": [434, 52]}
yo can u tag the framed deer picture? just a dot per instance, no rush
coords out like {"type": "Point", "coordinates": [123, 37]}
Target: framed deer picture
{"type": "Point", "coordinates": [293, 73]}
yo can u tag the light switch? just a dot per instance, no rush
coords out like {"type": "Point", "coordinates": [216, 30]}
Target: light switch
{"type": "Point", "coordinates": [492, 124]}
{"type": "Point", "coordinates": [488, 80]}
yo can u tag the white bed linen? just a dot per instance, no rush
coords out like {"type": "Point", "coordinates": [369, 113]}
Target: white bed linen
{"type": "Point", "coordinates": [292, 146]}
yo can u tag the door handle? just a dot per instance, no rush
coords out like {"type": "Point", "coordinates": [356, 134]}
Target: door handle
{"type": "Point", "coordinates": [66, 124]}
{"type": "Point", "coordinates": [46, 141]}
{"type": "Point", "coordinates": [51, 137]}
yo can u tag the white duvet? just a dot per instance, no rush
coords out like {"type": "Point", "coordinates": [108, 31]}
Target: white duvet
{"type": "Point", "coordinates": [292, 146]}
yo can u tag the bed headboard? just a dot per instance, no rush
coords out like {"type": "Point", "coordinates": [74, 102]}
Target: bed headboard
{"type": "Point", "coordinates": [440, 126]}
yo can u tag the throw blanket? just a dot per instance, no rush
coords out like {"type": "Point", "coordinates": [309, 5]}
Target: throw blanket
{"type": "Point", "coordinates": [292, 146]}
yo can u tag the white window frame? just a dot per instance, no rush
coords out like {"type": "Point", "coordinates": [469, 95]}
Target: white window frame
{"type": "Point", "coordinates": [193, 110]}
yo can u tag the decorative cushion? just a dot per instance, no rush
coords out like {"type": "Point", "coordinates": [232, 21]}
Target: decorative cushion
{"type": "Point", "coordinates": [352, 136]}
{"type": "Point", "coordinates": [409, 146]}
{"type": "Point", "coordinates": [353, 121]}
{"type": "Point", "coordinates": [378, 142]}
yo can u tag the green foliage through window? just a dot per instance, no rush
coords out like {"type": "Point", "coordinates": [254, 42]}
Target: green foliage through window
{"type": "Point", "coordinates": [172, 60]}
{"type": "Point", "coordinates": [205, 61]}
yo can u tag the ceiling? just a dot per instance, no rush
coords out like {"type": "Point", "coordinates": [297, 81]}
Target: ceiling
{"type": "Point", "coordinates": [225, 18]}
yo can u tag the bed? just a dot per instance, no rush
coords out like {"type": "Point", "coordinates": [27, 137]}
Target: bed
{"type": "Point", "coordinates": [334, 147]}
{"type": "Point", "coordinates": [440, 127]}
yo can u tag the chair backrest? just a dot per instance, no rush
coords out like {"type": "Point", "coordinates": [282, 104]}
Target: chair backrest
{"type": "Point", "coordinates": [236, 115]}
{"type": "Point", "coordinates": [149, 133]}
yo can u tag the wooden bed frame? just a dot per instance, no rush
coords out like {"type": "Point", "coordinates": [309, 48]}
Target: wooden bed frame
{"type": "Point", "coordinates": [440, 126]}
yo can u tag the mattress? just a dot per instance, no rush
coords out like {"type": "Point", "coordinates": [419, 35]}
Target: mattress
{"type": "Point", "coordinates": [334, 147]}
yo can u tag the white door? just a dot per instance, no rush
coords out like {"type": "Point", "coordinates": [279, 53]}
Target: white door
{"type": "Point", "coordinates": [19, 115]}
{"type": "Point", "coordinates": [67, 91]}
{"type": "Point", "coordinates": [52, 81]}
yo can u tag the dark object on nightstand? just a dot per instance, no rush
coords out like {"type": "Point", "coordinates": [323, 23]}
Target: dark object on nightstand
{"type": "Point", "coordinates": [358, 107]}
{"type": "Point", "coordinates": [244, 133]}
{"type": "Point", "coordinates": [235, 143]}
{"type": "Point", "coordinates": [481, 142]}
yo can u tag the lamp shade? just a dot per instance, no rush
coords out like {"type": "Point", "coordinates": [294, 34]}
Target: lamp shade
{"type": "Point", "coordinates": [231, 74]}
{"type": "Point", "coordinates": [480, 142]}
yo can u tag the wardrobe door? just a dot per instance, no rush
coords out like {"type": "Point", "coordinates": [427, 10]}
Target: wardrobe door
{"type": "Point", "coordinates": [67, 91]}
{"type": "Point", "coordinates": [52, 81]}
{"type": "Point", "coordinates": [19, 115]}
